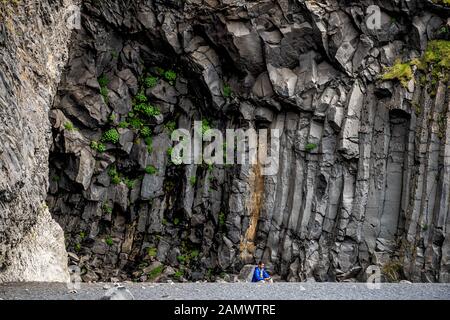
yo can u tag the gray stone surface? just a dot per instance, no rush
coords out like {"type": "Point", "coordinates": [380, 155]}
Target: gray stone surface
{"type": "Point", "coordinates": [232, 291]}
{"type": "Point", "coordinates": [31, 61]}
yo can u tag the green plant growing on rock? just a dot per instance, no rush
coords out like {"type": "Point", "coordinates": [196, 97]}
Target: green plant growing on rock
{"type": "Point", "coordinates": [141, 97]}
{"type": "Point", "coordinates": [77, 247]}
{"type": "Point", "coordinates": [194, 254]}
{"type": "Point", "coordinates": [103, 81]}
{"type": "Point", "coordinates": [112, 135]}
{"type": "Point", "coordinates": [438, 53]}
{"type": "Point", "coordinates": [115, 177]}
{"type": "Point", "coordinates": [98, 146]}
{"type": "Point", "coordinates": [222, 219]}
{"type": "Point", "coordinates": [123, 124]}
{"type": "Point", "coordinates": [392, 271]}
{"type": "Point", "coordinates": [112, 117]}
{"type": "Point", "coordinates": [176, 221]}
{"type": "Point", "coordinates": [155, 272]}
{"type": "Point", "coordinates": [135, 123]}
{"type": "Point", "coordinates": [69, 126]}
{"type": "Point", "coordinates": [170, 76]}
{"type": "Point", "coordinates": [399, 71]}
{"type": "Point", "coordinates": [417, 109]}
{"type": "Point", "coordinates": [193, 180]}
{"type": "Point", "coordinates": [205, 126]}
{"type": "Point", "coordinates": [178, 274]}
{"type": "Point", "coordinates": [152, 252]}
{"type": "Point", "coordinates": [226, 91]}
{"type": "Point", "coordinates": [182, 259]}
{"type": "Point", "coordinates": [109, 241]}
{"type": "Point", "coordinates": [150, 81]}
{"type": "Point", "coordinates": [129, 183]}
{"type": "Point", "coordinates": [171, 126]}
{"type": "Point", "coordinates": [146, 131]}
{"type": "Point", "coordinates": [442, 2]}
{"type": "Point", "coordinates": [310, 147]}
{"type": "Point", "coordinates": [147, 109]}
{"type": "Point", "coordinates": [114, 54]}
{"type": "Point", "coordinates": [82, 235]}
{"type": "Point", "coordinates": [107, 209]}
{"type": "Point", "coordinates": [149, 142]}
{"type": "Point", "coordinates": [151, 170]}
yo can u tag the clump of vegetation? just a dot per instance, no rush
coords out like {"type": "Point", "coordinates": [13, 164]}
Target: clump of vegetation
{"type": "Point", "coordinates": [69, 126]}
{"type": "Point", "coordinates": [438, 54]}
{"type": "Point", "coordinates": [182, 259]}
{"type": "Point", "coordinates": [222, 219]}
{"type": "Point", "coordinates": [103, 81]}
{"type": "Point", "coordinates": [150, 81]}
{"type": "Point", "coordinates": [170, 76]}
{"type": "Point", "coordinates": [226, 91]}
{"type": "Point", "coordinates": [146, 109]}
{"type": "Point", "coordinates": [115, 177]}
{"type": "Point", "coordinates": [193, 180]}
{"type": "Point", "coordinates": [134, 122]}
{"type": "Point", "coordinates": [82, 235]}
{"type": "Point", "coordinates": [399, 71]}
{"type": "Point", "coordinates": [77, 247]}
{"type": "Point", "coordinates": [442, 125]}
{"type": "Point", "coordinates": [442, 2]}
{"type": "Point", "coordinates": [129, 183]}
{"type": "Point", "coordinates": [435, 61]}
{"type": "Point", "coordinates": [155, 272]}
{"type": "Point", "coordinates": [141, 97]}
{"type": "Point", "coordinates": [417, 108]}
{"type": "Point", "coordinates": [392, 271]}
{"type": "Point", "coordinates": [112, 135]}
{"type": "Point", "coordinates": [149, 142]}
{"type": "Point", "coordinates": [310, 147]}
{"type": "Point", "coordinates": [123, 124]}
{"type": "Point", "coordinates": [109, 241]}
{"type": "Point", "coordinates": [171, 126]}
{"type": "Point", "coordinates": [205, 126]}
{"type": "Point", "coordinates": [151, 169]}
{"type": "Point", "coordinates": [98, 146]}
{"type": "Point", "coordinates": [152, 251]}
{"type": "Point", "coordinates": [146, 131]}
{"type": "Point", "coordinates": [178, 274]}
{"type": "Point", "coordinates": [112, 117]}
{"type": "Point", "coordinates": [107, 209]}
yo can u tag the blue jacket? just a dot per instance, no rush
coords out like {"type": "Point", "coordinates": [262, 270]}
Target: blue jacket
{"type": "Point", "coordinates": [259, 275]}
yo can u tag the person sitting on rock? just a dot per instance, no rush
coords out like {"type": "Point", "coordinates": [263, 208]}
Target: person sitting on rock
{"type": "Point", "coordinates": [260, 274]}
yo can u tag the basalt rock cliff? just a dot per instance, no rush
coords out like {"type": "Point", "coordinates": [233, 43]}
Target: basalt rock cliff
{"type": "Point", "coordinates": [358, 89]}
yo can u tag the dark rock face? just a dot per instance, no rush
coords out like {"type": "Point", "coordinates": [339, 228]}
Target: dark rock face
{"type": "Point", "coordinates": [363, 166]}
